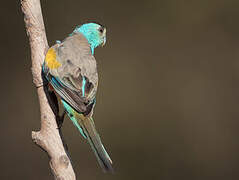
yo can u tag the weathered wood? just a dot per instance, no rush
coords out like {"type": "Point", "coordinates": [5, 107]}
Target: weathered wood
{"type": "Point", "coordinates": [48, 138]}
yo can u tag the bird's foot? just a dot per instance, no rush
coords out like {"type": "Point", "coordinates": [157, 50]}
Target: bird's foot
{"type": "Point", "coordinates": [60, 120]}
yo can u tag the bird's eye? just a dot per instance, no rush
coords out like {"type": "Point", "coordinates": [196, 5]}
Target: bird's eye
{"type": "Point", "coordinates": [101, 30]}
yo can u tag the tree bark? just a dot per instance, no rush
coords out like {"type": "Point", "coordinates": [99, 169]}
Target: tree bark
{"type": "Point", "coordinates": [48, 138]}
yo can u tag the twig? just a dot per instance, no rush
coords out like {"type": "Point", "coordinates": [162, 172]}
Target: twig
{"type": "Point", "coordinates": [48, 138]}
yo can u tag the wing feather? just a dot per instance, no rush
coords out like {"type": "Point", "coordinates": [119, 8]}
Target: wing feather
{"type": "Point", "coordinates": [68, 95]}
{"type": "Point", "coordinates": [76, 80]}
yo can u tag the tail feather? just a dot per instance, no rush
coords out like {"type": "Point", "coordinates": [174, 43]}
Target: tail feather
{"type": "Point", "coordinates": [93, 138]}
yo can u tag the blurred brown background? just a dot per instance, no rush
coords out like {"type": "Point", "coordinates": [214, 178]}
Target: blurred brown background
{"type": "Point", "coordinates": [168, 99]}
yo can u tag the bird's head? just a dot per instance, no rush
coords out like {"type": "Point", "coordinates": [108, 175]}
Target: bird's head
{"type": "Point", "coordinates": [94, 33]}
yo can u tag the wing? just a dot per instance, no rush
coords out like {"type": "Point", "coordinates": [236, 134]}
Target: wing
{"type": "Point", "coordinates": [70, 96]}
{"type": "Point", "coordinates": [71, 70]}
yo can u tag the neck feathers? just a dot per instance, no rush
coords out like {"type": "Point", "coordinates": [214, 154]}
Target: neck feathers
{"type": "Point", "coordinates": [91, 36]}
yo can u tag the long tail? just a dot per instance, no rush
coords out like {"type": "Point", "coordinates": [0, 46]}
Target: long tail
{"type": "Point", "coordinates": [93, 138]}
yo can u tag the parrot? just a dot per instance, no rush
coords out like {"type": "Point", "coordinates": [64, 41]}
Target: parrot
{"type": "Point", "coordinates": [71, 71]}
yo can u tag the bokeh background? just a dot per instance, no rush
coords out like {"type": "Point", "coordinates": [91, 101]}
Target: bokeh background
{"type": "Point", "coordinates": [168, 99]}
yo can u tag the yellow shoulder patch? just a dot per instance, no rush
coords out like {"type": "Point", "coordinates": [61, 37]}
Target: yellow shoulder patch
{"type": "Point", "coordinates": [50, 59]}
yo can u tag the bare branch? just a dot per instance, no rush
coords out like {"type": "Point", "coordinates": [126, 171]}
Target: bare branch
{"type": "Point", "coordinates": [48, 138]}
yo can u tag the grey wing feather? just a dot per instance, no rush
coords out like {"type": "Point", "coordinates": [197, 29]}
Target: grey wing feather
{"type": "Point", "coordinates": [78, 103]}
{"type": "Point", "coordinates": [74, 54]}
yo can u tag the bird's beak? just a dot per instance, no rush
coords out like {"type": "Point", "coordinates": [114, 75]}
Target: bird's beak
{"type": "Point", "coordinates": [104, 40]}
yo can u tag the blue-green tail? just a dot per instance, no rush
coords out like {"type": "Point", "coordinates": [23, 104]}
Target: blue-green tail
{"type": "Point", "coordinates": [87, 129]}
{"type": "Point", "coordinates": [96, 144]}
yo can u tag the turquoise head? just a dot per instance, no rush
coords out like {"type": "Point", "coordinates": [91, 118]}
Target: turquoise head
{"type": "Point", "coordinates": [94, 33]}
